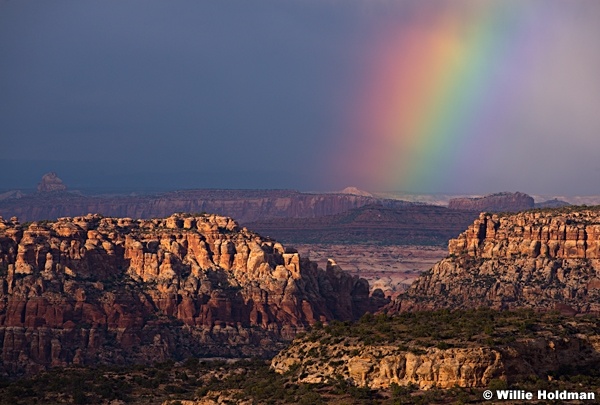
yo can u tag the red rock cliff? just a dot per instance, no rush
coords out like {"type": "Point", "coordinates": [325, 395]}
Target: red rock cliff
{"type": "Point", "coordinates": [115, 290]}
{"type": "Point", "coordinates": [545, 260]}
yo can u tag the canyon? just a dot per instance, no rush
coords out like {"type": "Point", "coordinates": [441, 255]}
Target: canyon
{"type": "Point", "coordinates": [532, 272]}
{"type": "Point", "coordinates": [413, 224]}
{"type": "Point", "coordinates": [515, 299]}
{"type": "Point", "coordinates": [389, 268]}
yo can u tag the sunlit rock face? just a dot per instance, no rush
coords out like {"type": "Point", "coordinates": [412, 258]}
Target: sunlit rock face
{"type": "Point", "coordinates": [546, 260]}
{"type": "Point", "coordinates": [451, 351]}
{"type": "Point", "coordinates": [89, 290]}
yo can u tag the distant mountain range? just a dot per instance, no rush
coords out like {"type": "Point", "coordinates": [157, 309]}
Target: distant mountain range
{"type": "Point", "coordinates": [52, 200]}
{"type": "Point", "coordinates": [374, 223]}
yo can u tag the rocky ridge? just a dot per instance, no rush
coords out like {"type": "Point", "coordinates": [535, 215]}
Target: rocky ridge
{"type": "Point", "coordinates": [244, 205]}
{"type": "Point", "coordinates": [543, 259]}
{"type": "Point", "coordinates": [416, 224]}
{"type": "Point", "coordinates": [499, 202]}
{"type": "Point", "coordinates": [553, 203]}
{"type": "Point", "coordinates": [89, 290]}
{"type": "Point", "coordinates": [442, 349]}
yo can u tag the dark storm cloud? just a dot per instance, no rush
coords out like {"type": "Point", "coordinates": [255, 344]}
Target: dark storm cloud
{"type": "Point", "coordinates": [258, 93]}
{"type": "Point", "coordinates": [203, 87]}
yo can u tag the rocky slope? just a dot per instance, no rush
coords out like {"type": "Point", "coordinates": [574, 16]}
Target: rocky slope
{"type": "Point", "coordinates": [89, 290]}
{"type": "Point", "coordinates": [499, 202]}
{"type": "Point", "coordinates": [443, 349]}
{"type": "Point", "coordinates": [543, 259]}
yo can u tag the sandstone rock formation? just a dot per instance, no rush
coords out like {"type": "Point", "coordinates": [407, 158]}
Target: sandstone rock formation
{"type": "Point", "coordinates": [378, 366]}
{"type": "Point", "coordinates": [545, 259]}
{"type": "Point", "coordinates": [502, 353]}
{"type": "Point", "coordinates": [89, 290]}
{"type": "Point", "coordinates": [500, 202]}
{"type": "Point", "coordinates": [51, 182]}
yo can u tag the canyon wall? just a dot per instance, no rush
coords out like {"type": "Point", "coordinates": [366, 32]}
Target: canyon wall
{"type": "Point", "coordinates": [244, 205]}
{"type": "Point", "coordinates": [89, 290]}
{"type": "Point", "coordinates": [546, 259]}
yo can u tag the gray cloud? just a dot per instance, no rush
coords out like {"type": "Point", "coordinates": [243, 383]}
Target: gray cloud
{"type": "Point", "coordinates": [248, 94]}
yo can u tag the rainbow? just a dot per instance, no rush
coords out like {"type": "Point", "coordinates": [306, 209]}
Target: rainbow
{"type": "Point", "coordinates": [437, 82]}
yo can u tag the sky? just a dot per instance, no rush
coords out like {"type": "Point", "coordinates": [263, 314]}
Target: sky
{"type": "Point", "coordinates": [469, 96]}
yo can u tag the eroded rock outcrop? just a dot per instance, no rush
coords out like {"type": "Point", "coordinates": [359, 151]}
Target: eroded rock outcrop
{"type": "Point", "coordinates": [89, 290]}
{"type": "Point", "coordinates": [460, 349]}
{"type": "Point", "coordinates": [51, 182]}
{"type": "Point", "coordinates": [499, 202]}
{"type": "Point", "coordinates": [379, 366]}
{"type": "Point", "coordinates": [547, 259]}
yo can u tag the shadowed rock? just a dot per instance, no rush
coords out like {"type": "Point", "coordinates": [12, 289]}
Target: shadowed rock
{"type": "Point", "coordinates": [508, 202]}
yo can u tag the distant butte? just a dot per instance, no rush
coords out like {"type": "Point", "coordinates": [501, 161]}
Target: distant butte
{"type": "Point", "coordinates": [508, 202]}
{"type": "Point", "coordinates": [51, 182]}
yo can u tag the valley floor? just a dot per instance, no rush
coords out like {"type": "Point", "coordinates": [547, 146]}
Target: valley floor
{"type": "Point", "coordinates": [390, 268]}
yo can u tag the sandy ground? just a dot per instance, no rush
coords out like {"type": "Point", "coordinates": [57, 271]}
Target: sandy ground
{"type": "Point", "coordinates": [391, 268]}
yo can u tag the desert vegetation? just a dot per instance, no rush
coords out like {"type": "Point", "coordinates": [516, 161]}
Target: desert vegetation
{"type": "Point", "coordinates": [254, 381]}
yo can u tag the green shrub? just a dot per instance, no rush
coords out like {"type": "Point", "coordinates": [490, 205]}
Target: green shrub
{"type": "Point", "coordinates": [497, 384]}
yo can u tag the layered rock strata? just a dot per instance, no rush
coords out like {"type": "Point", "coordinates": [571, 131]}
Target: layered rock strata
{"type": "Point", "coordinates": [546, 259]}
{"type": "Point", "coordinates": [89, 290]}
{"type": "Point", "coordinates": [542, 352]}
{"type": "Point", "coordinates": [243, 205]}
{"type": "Point", "coordinates": [380, 366]}
{"type": "Point", "coordinates": [499, 202]}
